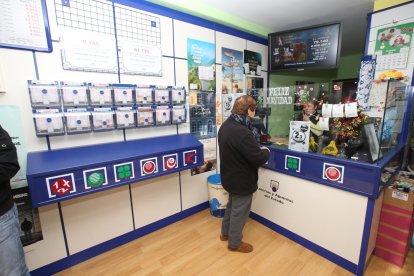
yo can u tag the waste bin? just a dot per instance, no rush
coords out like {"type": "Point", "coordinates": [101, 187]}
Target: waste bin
{"type": "Point", "coordinates": [217, 196]}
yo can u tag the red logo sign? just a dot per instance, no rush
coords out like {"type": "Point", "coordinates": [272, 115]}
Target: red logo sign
{"type": "Point", "coordinates": [149, 167]}
{"type": "Point", "coordinates": [190, 158]}
{"type": "Point", "coordinates": [170, 163]}
{"type": "Point", "coordinates": [332, 173]}
{"type": "Point", "coordinates": [61, 186]}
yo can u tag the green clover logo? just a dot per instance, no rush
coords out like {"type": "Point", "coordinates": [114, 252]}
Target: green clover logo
{"type": "Point", "coordinates": [124, 171]}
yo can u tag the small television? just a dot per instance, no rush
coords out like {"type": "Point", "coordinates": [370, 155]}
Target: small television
{"type": "Point", "coordinates": [316, 47]}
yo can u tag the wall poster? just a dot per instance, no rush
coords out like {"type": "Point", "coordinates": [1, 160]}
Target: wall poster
{"type": "Point", "coordinates": [232, 66]}
{"type": "Point", "coordinates": [210, 160]}
{"type": "Point", "coordinates": [252, 63]}
{"type": "Point", "coordinates": [228, 102]}
{"type": "Point", "coordinates": [201, 58]}
{"type": "Point", "coordinates": [202, 99]}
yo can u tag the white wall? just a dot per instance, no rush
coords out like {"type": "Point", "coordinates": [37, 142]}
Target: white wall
{"type": "Point", "coordinates": [95, 218]}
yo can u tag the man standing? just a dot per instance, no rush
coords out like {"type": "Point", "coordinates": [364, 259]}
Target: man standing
{"type": "Point", "coordinates": [12, 262]}
{"type": "Point", "coordinates": [240, 158]}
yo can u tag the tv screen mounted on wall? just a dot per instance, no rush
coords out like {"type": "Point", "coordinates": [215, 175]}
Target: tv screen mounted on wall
{"type": "Point", "coordinates": [316, 47]}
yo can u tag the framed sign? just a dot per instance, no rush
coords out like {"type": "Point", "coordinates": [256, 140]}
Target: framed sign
{"type": "Point", "coordinates": [299, 136]}
{"type": "Point", "coordinates": [141, 59]}
{"type": "Point", "coordinates": [89, 51]}
{"type": "Point", "coordinates": [25, 25]}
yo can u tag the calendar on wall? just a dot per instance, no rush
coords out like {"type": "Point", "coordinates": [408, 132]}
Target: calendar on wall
{"type": "Point", "coordinates": [392, 46]}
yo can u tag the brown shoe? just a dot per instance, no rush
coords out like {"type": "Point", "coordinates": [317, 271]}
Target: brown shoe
{"type": "Point", "coordinates": [243, 248]}
{"type": "Point", "coordinates": [224, 237]}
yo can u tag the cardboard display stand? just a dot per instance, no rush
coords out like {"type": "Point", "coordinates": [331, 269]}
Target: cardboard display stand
{"type": "Point", "coordinates": [396, 226]}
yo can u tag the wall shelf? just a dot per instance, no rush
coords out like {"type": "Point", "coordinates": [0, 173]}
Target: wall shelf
{"type": "Point", "coordinates": [63, 174]}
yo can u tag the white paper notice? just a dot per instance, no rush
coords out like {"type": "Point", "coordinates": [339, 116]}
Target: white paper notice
{"type": "Point", "coordinates": [327, 110]}
{"type": "Point", "coordinates": [351, 110]}
{"type": "Point", "coordinates": [378, 93]}
{"type": "Point", "coordinates": [324, 123]}
{"type": "Point", "coordinates": [88, 51]}
{"type": "Point", "coordinates": [338, 110]}
{"type": "Point", "coordinates": [206, 72]}
{"type": "Point", "coordinates": [246, 68]}
{"type": "Point", "coordinates": [141, 59]}
{"type": "Point", "coordinates": [259, 70]}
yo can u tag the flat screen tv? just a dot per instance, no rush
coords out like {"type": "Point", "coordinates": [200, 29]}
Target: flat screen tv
{"type": "Point", "coordinates": [316, 47]}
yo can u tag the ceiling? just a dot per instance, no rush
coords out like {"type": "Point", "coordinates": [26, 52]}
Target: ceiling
{"type": "Point", "coordinates": [261, 17]}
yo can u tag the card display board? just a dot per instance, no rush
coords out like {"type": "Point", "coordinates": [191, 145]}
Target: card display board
{"type": "Point", "coordinates": [138, 37]}
{"type": "Point", "coordinates": [137, 26]}
{"type": "Point", "coordinates": [88, 15]}
{"type": "Point", "coordinates": [88, 35]}
{"type": "Point", "coordinates": [24, 25]}
{"type": "Point", "coordinates": [139, 40]}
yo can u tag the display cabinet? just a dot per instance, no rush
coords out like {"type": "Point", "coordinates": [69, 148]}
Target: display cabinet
{"type": "Point", "coordinates": [365, 146]}
{"type": "Point", "coordinates": [362, 136]}
{"type": "Point", "coordinates": [326, 193]}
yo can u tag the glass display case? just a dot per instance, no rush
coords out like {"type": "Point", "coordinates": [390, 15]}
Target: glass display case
{"type": "Point", "coordinates": [329, 122]}
{"type": "Point", "coordinates": [317, 132]}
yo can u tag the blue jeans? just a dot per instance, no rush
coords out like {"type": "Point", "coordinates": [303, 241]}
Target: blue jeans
{"type": "Point", "coordinates": [12, 261]}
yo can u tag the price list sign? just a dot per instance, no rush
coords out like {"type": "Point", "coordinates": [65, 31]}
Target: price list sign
{"type": "Point", "coordinates": [323, 45]}
{"type": "Point", "coordinates": [24, 25]}
{"type": "Point", "coordinates": [320, 48]}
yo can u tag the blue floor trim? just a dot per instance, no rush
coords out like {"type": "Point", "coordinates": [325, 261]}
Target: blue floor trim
{"type": "Point", "coordinates": [96, 250]}
{"type": "Point", "coordinates": [306, 243]}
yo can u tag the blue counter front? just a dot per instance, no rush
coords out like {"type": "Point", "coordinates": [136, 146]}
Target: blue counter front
{"type": "Point", "coordinates": [356, 177]}
{"type": "Point", "coordinates": [329, 205]}
{"type": "Point", "coordinates": [58, 175]}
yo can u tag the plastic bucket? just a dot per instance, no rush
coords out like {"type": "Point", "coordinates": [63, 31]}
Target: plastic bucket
{"type": "Point", "coordinates": [217, 196]}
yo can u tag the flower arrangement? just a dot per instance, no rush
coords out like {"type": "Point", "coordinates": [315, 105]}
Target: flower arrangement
{"type": "Point", "coordinates": [348, 128]}
{"type": "Point", "coordinates": [391, 74]}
